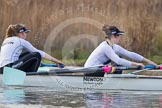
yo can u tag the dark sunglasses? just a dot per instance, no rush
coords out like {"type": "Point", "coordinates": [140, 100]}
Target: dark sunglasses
{"type": "Point", "coordinates": [116, 35]}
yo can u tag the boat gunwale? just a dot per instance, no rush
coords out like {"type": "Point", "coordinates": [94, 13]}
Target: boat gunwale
{"type": "Point", "coordinates": [107, 76]}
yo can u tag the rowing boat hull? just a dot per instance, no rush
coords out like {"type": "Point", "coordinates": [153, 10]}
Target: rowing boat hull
{"type": "Point", "coordinates": [81, 83]}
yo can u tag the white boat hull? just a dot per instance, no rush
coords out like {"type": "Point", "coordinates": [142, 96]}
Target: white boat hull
{"type": "Point", "coordinates": [81, 83]}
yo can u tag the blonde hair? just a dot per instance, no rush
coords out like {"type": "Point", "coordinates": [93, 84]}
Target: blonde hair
{"type": "Point", "coordinates": [13, 30]}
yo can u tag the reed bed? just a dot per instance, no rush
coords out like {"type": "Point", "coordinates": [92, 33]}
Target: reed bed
{"type": "Point", "coordinates": [57, 24]}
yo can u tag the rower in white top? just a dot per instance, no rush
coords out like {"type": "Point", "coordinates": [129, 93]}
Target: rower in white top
{"type": "Point", "coordinates": [12, 47]}
{"type": "Point", "coordinates": [108, 51]}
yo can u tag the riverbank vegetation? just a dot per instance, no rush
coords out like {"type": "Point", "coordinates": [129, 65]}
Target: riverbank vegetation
{"type": "Point", "coordinates": [71, 29]}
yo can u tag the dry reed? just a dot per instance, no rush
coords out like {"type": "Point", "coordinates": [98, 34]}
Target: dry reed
{"type": "Point", "coordinates": [140, 19]}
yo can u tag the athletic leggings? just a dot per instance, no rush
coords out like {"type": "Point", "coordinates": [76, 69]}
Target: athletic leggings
{"type": "Point", "coordinates": [28, 62]}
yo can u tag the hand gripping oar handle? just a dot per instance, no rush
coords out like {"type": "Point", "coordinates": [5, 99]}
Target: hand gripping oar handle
{"type": "Point", "coordinates": [148, 67]}
{"type": "Point", "coordinates": [153, 67]}
{"type": "Point", "coordinates": [109, 69]}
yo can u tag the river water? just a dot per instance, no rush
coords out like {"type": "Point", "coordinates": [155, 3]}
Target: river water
{"type": "Point", "coordinates": [39, 97]}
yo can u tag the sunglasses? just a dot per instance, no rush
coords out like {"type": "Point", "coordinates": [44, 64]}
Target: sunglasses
{"type": "Point", "coordinates": [116, 35]}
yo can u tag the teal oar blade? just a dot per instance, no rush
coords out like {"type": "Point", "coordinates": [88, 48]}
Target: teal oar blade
{"type": "Point", "coordinates": [13, 76]}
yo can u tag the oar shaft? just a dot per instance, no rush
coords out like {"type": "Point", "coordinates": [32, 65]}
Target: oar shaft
{"type": "Point", "coordinates": [109, 69]}
{"type": "Point", "coordinates": [105, 69]}
{"type": "Point", "coordinates": [128, 68]}
{"type": "Point", "coordinates": [62, 71]}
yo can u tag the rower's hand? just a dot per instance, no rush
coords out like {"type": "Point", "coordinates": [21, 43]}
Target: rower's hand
{"type": "Point", "coordinates": [60, 65]}
{"type": "Point", "coordinates": [150, 62]}
{"type": "Point", "coordinates": [156, 66]}
{"type": "Point", "coordinates": [141, 65]}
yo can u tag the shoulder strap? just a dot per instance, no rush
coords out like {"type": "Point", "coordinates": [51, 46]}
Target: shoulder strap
{"type": "Point", "coordinates": [109, 44]}
{"type": "Point", "coordinates": [108, 60]}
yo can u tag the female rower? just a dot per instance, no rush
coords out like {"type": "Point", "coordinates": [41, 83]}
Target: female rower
{"type": "Point", "coordinates": [109, 52]}
{"type": "Point", "coordinates": [13, 46]}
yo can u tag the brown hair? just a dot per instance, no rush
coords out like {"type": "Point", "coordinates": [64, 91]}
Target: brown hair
{"type": "Point", "coordinates": [13, 30]}
{"type": "Point", "coordinates": [111, 30]}
{"type": "Point", "coordinates": [106, 30]}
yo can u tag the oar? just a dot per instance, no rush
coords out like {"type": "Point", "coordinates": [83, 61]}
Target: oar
{"type": "Point", "coordinates": [51, 65]}
{"type": "Point", "coordinates": [105, 69]}
{"type": "Point", "coordinates": [16, 77]}
{"type": "Point", "coordinates": [13, 76]}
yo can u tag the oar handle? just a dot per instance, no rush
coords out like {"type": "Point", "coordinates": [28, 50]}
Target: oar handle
{"type": "Point", "coordinates": [51, 65]}
{"type": "Point", "coordinates": [153, 67]}
{"type": "Point", "coordinates": [150, 67]}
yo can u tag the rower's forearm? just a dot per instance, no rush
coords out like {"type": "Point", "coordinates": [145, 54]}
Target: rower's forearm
{"type": "Point", "coordinates": [50, 58]}
{"type": "Point", "coordinates": [137, 64]}
{"type": "Point", "coordinates": [148, 61]}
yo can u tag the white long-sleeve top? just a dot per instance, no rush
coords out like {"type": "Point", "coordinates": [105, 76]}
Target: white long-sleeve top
{"type": "Point", "coordinates": [12, 47]}
{"type": "Point", "coordinates": [104, 52]}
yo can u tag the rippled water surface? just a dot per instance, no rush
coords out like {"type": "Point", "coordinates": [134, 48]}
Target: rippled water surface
{"type": "Point", "coordinates": [39, 97]}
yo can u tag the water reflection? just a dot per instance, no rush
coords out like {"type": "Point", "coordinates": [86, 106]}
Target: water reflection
{"type": "Point", "coordinates": [38, 96]}
{"type": "Point", "coordinates": [47, 97]}
{"type": "Point", "coordinates": [123, 100]}
{"type": "Point", "coordinates": [11, 96]}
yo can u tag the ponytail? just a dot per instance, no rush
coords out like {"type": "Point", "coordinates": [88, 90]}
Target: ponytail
{"type": "Point", "coordinates": [11, 31]}
{"type": "Point", "coordinates": [107, 32]}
